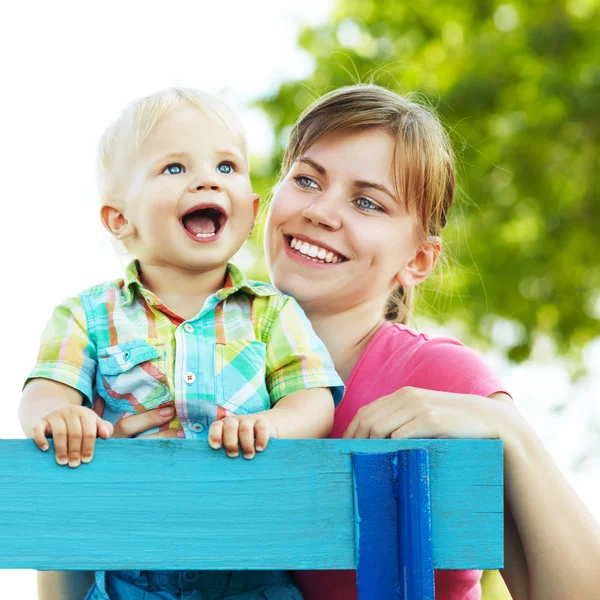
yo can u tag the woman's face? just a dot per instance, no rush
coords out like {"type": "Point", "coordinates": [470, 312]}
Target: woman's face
{"type": "Point", "coordinates": [337, 236]}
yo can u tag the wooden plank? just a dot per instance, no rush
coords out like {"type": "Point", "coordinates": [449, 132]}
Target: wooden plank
{"type": "Point", "coordinates": [177, 504]}
{"type": "Point", "coordinates": [394, 555]}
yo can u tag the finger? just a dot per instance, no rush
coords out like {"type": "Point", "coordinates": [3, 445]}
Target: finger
{"type": "Point", "coordinates": [104, 429]}
{"type": "Point", "coordinates": [74, 437]}
{"type": "Point", "coordinates": [262, 433]}
{"type": "Point", "coordinates": [381, 408]}
{"type": "Point", "coordinates": [136, 424]}
{"type": "Point", "coordinates": [59, 435]}
{"type": "Point", "coordinates": [246, 437]}
{"type": "Point", "coordinates": [215, 435]}
{"type": "Point", "coordinates": [230, 436]}
{"type": "Point", "coordinates": [167, 433]}
{"type": "Point", "coordinates": [88, 437]}
{"type": "Point", "coordinates": [413, 429]}
{"type": "Point", "coordinates": [40, 429]}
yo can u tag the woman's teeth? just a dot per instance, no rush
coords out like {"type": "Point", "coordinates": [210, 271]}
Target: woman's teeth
{"type": "Point", "coordinates": [316, 253]}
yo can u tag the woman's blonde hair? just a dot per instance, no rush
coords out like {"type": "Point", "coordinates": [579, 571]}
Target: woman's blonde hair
{"type": "Point", "coordinates": [424, 173]}
{"type": "Point", "coordinates": [122, 140]}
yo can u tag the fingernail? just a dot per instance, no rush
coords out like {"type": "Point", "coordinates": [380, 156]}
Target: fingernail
{"type": "Point", "coordinates": [180, 433]}
{"type": "Point", "coordinates": [86, 459]}
{"type": "Point", "coordinates": [259, 448]}
{"type": "Point", "coordinates": [233, 454]}
{"type": "Point", "coordinates": [215, 445]}
{"type": "Point", "coordinates": [248, 456]}
{"type": "Point", "coordinates": [166, 412]}
{"type": "Point", "coordinates": [44, 447]}
{"type": "Point", "coordinates": [74, 463]}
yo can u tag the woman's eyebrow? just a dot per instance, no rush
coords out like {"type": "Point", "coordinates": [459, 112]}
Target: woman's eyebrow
{"type": "Point", "coordinates": [361, 184]}
{"type": "Point", "coordinates": [314, 164]}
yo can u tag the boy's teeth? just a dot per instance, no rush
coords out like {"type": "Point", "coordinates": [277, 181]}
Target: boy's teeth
{"type": "Point", "coordinates": [314, 252]}
{"type": "Point", "coordinates": [206, 235]}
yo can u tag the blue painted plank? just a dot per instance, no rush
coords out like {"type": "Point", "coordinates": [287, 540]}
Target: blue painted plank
{"type": "Point", "coordinates": [377, 540]}
{"type": "Point", "coordinates": [414, 522]}
{"type": "Point", "coordinates": [177, 504]}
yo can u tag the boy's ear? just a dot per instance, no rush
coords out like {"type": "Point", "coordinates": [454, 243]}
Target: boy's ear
{"type": "Point", "coordinates": [115, 222]}
{"type": "Point", "coordinates": [420, 265]}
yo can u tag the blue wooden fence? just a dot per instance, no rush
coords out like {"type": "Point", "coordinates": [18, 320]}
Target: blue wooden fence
{"type": "Point", "coordinates": [302, 504]}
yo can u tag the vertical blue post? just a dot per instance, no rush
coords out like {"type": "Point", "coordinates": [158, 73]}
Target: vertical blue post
{"type": "Point", "coordinates": [393, 526]}
{"type": "Point", "coordinates": [414, 524]}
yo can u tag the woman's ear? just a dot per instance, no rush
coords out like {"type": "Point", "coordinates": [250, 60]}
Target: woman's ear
{"type": "Point", "coordinates": [255, 206]}
{"type": "Point", "coordinates": [421, 264]}
{"type": "Point", "coordinates": [115, 222]}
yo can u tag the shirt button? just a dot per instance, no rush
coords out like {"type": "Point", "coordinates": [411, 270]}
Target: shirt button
{"type": "Point", "coordinates": [189, 378]}
{"type": "Point", "coordinates": [197, 427]}
{"type": "Point", "coordinates": [189, 328]}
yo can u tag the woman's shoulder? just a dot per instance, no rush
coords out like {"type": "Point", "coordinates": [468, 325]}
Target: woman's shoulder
{"type": "Point", "coordinates": [423, 360]}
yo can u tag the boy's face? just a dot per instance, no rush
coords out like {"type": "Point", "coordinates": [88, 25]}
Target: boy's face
{"type": "Point", "coordinates": [188, 201]}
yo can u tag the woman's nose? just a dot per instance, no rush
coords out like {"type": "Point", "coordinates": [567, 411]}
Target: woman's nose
{"type": "Point", "coordinates": [323, 212]}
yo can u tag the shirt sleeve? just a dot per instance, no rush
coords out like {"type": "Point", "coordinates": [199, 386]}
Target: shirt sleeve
{"type": "Point", "coordinates": [446, 365]}
{"type": "Point", "coordinates": [67, 354]}
{"type": "Point", "coordinates": [296, 358]}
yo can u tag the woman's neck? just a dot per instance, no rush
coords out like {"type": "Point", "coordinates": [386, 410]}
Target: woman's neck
{"type": "Point", "coordinates": [346, 334]}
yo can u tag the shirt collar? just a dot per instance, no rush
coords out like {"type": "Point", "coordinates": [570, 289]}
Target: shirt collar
{"type": "Point", "coordinates": [234, 282]}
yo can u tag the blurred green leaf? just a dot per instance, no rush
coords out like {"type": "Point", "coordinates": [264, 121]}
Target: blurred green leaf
{"type": "Point", "coordinates": [518, 86]}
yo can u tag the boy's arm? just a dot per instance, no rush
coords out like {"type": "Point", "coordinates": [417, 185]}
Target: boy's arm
{"type": "Point", "coordinates": [40, 396]}
{"type": "Point", "coordinates": [52, 408]}
{"type": "Point", "coordinates": [302, 414]}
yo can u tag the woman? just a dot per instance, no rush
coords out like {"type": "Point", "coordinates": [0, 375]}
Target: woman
{"type": "Point", "coordinates": [354, 226]}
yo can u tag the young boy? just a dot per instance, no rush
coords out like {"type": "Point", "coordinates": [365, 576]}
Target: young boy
{"type": "Point", "coordinates": [183, 326]}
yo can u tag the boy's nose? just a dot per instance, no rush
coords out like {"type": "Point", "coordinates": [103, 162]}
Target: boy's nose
{"type": "Point", "coordinates": [208, 186]}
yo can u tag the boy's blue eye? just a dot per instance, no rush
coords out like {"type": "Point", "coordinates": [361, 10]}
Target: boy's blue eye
{"type": "Point", "coordinates": [174, 169]}
{"type": "Point", "coordinates": [225, 167]}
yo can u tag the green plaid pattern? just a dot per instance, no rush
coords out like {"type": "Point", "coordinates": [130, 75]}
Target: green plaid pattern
{"type": "Point", "coordinates": [126, 352]}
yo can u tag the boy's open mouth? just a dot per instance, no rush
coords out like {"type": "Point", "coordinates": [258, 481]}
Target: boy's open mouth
{"type": "Point", "coordinates": [205, 222]}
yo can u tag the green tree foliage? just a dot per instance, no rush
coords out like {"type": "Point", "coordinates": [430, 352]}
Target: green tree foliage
{"type": "Point", "coordinates": [518, 86]}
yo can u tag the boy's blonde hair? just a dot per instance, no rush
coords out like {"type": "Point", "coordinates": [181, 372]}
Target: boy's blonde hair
{"type": "Point", "coordinates": [424, 173]}
{"type": "Point", "coordinates": [120, 143]}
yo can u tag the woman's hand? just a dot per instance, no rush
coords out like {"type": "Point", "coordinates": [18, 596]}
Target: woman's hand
{"type": "Point", "coordinates": [134, 425]}
{"type": "Point", "coordinates": [416, 413]}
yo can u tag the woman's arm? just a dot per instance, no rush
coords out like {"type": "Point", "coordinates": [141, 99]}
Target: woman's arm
{"type": "Point", "coordinates": [552, 542]}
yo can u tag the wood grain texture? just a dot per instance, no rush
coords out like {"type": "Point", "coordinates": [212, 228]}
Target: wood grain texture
{"type": "Point", "coordinates": [177, 504]}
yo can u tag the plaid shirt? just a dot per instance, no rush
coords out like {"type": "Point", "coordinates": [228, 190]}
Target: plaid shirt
{"type": "Point", "coordinates": [126, 352]}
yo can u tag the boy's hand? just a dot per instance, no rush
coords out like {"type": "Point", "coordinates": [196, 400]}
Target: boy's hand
{"type": "Point", "coordinates": [74, 430]}
{"type": "Point", "coordinates": [252, 432]}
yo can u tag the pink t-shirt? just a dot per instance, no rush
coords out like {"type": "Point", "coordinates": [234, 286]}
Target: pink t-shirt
{"type": "Point", "coordinates": [398, 357]}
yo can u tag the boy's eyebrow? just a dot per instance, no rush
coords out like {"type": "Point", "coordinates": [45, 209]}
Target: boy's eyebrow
{"type": "Point", "coordinates": [314, 164]}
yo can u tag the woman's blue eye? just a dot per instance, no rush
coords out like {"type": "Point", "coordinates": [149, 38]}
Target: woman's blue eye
{"type": "Point", "coordinates": [225, 167]}
{"type": "Point", "coordinates": [174, 169]}
{"type": "Point", "coordinates": [306, 182]}
{"type": "Point", "coordinates": [368, 205]}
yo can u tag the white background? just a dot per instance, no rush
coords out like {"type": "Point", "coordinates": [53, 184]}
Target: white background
{"type": "Point", "coordinates": [67, 69]}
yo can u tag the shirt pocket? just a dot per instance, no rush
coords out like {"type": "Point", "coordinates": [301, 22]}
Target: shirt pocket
{"type": "Point", "coordinates": [131, 375]}
{"type": "Point", "coordinates": [240, 368]}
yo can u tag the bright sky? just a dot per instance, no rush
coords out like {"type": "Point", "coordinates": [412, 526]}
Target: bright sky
{"type": "Point", "coordinates": [68, 68]}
